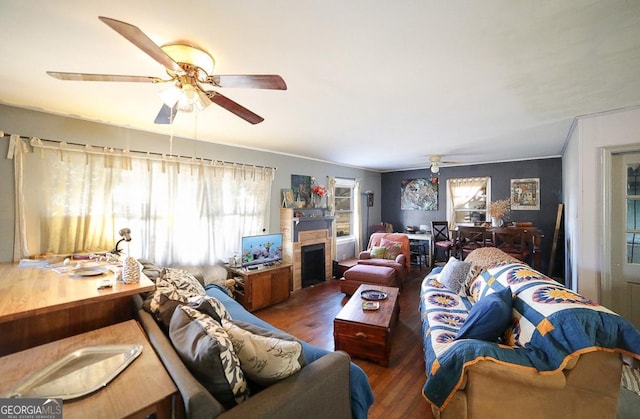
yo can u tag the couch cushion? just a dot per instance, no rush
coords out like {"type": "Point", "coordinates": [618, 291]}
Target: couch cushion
{"type": "Point", "coordinates": [207, 351]}
{"type": "Point", "coordinates": [266, 356]}
{"type": "Point", "coordinates": [454, 274]}
{"type": "Point", "coordinates": [489, 317]}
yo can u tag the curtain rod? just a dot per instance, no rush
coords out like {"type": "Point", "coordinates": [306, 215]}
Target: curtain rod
{"type": "Point", "coordinates": [109, 151]}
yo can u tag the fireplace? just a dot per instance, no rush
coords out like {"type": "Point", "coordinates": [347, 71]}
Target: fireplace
{"type": "Point", "coordinates": [313, 264]}
{"type": "Point", "coordinates": [302, 231]}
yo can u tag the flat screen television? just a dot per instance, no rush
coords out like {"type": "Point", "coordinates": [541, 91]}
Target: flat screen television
{"type": "Point", "coordinates": [264, 248]}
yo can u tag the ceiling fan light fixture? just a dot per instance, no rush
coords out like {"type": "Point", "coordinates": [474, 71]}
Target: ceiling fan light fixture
{"type": "Point", "coordinates": [435, 168]}
{"type": "Point", "coordinates": [182, 53]}
{"type": "Point", "coordinates": [170, 95]}
{"type": "Point", "coordinates": [201, 100]}
{"type": "Point", "coordinates": [188, 67]}
{"type": "Point", "coordinates": [187, 98]}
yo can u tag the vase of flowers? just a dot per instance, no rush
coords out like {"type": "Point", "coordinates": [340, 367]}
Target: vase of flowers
{"type": "Point", "coordinates": [497, 210]}
{"type": "Point", "coordinates": [318, 193]}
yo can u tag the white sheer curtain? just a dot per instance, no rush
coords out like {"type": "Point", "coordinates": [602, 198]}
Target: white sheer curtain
{"type": "Point", "coordinates": [459, 192]}
{"type": "Point", "coordinates": [180, 211]}
{"type": "Point", "coordinates": [356, 215]}
{"type": "Point", "coordinates": [331, 205]}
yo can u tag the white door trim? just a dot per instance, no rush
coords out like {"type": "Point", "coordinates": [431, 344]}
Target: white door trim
{"type": "Point", "coordinates": [606, 155]}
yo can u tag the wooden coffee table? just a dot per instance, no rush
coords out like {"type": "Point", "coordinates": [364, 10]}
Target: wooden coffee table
{"type": "Point", "coordinates": [367, 333]}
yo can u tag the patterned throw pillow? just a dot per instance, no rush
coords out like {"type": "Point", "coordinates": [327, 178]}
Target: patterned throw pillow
{"type": "Point", "coordinates": [210, 306]}
{"type": "Point", "coordinates": [266, 356]}
{"type": "Point", "coordinates": [454, 275]}
{"type": "Point", "coordinates": [207, 351]}
{"type": "Point", "coordinates": [174, 285]}
{"type": "Point", "coordinates": [378, 252]}
{"type": "Point", "coordinates": [393, 248]}
{"type": "Point", "coordinates": [482, 259]}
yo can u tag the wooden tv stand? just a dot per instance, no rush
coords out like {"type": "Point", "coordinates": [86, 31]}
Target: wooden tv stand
{"type": "Point", "coordinates": [262, 287]}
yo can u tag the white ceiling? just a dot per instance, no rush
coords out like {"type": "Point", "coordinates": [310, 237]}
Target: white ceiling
{"type": "Point", "coordinates": [374, 84]}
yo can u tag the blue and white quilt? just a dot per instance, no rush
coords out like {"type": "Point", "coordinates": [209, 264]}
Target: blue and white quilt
{"type": "Point", "coordinates": [551, 325]}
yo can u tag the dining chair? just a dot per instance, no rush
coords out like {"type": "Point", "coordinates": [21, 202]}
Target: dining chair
{"type": "Point", "coordinates": [512, 241]}
{"type": "Point", "coordinates": [418, 253]}
{"type": "Point", "coordinates": [470, 239]}
{"type": "Point", "coordinates": [441, 240]}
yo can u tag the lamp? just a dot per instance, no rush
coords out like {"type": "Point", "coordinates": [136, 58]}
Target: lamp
{"type": "Point", "coordinates": [197, 65]}
{"type": "Point", "coordinates": [435, 164]}
{"type": "Point", "coordinates": [186, 97]}
{"type": "Point", "coordinates": [125, 233]}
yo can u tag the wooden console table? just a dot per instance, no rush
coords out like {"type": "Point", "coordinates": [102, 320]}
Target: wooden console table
{"type": "Point", "coordinates": [39, 305]}
{"type": "Point", "coordinates": [262, 287]}
{"type": "Point", "coordinates": [142, 388]}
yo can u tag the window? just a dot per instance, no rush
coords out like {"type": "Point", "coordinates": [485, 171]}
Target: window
{"type": "Point", "coordinates": [180, 211]}
{"type": "Point", "coordinates": [344, 207]}
{"type": "Point", "coordinates": [633, 214]}
{"type": "Point", "coordinates": [467, 200]}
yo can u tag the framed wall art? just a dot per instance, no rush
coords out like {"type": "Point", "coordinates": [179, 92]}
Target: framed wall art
{"type": "Point", "coordinates": [287, 198]}
{"type": "Point", "coordinates": [301, 188]}
{"type": "Point", "coordinates": [419, 194]}
{"type": "Point", "coordinates": [525, 194]}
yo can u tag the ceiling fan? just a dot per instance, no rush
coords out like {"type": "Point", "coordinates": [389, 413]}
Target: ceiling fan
{"type": "Point", "coordinates": [189, 68]}
{"type": "Point", "coordinates": [436, 161]}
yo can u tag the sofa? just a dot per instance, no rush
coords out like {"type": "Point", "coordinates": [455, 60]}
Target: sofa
{"type": "Point", "coordinates": [502, 340]}
{"type": "Point", "coordinates": [389, 250]}
{"type": "Point", "coordinates": [327, 379]}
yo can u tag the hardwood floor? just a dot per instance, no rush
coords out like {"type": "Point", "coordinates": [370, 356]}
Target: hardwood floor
{"type": "Point", "coordinates": [397, 389]}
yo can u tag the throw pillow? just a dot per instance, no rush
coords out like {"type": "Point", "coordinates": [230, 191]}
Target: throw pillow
{"type": "Point", "coordinates": [378, 252]}
{"type": "Point", "coordinates": [454, 274]}
{"type": "Point", "coordinates": [175, 285]}
{"type": "Point", "coordinates": [393, 248]}
{"type": "Point", "coordinates": [489, 317]}
{"type": "Point", "coordinates": [209, 306]}
{"type": "Point", "coordinates": [484, 258]}
{"type": "Point", "coordinates": [207, 351]}
{"type": "Point", "coordinates": [150, 269]}
{"type": "Point", "coordinates": [266, 356]}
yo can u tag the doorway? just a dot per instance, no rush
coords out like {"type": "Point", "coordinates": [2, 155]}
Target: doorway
{"type": "Point", "coordinates": [624, 235]}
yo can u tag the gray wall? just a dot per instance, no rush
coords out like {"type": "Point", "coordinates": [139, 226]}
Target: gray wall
{"type": "Point", "coordinates": [548, 170]}
{"type": "Point", "coordinates": [29, 123]}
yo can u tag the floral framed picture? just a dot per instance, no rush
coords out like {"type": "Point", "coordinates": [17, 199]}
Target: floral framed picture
{"type": "Point", "coordinates": [525, 194]}
{"type": "Point", "coordinates": [301, 188]}
{"type": "Point", "coordinates": [419, 194]}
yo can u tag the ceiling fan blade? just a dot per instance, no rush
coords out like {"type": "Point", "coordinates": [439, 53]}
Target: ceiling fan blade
{"type": "Point", "coordinates": [234, 107]}
{"type": "Point", "coordinates": [142, 41]}
{"type": "Point", "coordinates": [166, 115]}
{"type": "Point", "coordinates": [254, 81]}
{"type": "Point", "coordinates": [102, 77]}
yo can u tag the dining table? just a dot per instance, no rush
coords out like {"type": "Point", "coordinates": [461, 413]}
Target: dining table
{"type": "Point", "coordinates": [533, 237]}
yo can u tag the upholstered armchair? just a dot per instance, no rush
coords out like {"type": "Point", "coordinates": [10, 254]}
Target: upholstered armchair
{"type": "Point", "coordinates": [374, 255]}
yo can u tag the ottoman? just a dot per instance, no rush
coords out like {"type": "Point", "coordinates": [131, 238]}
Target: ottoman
{"type": "Point", "coordinates": [367, 274]}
